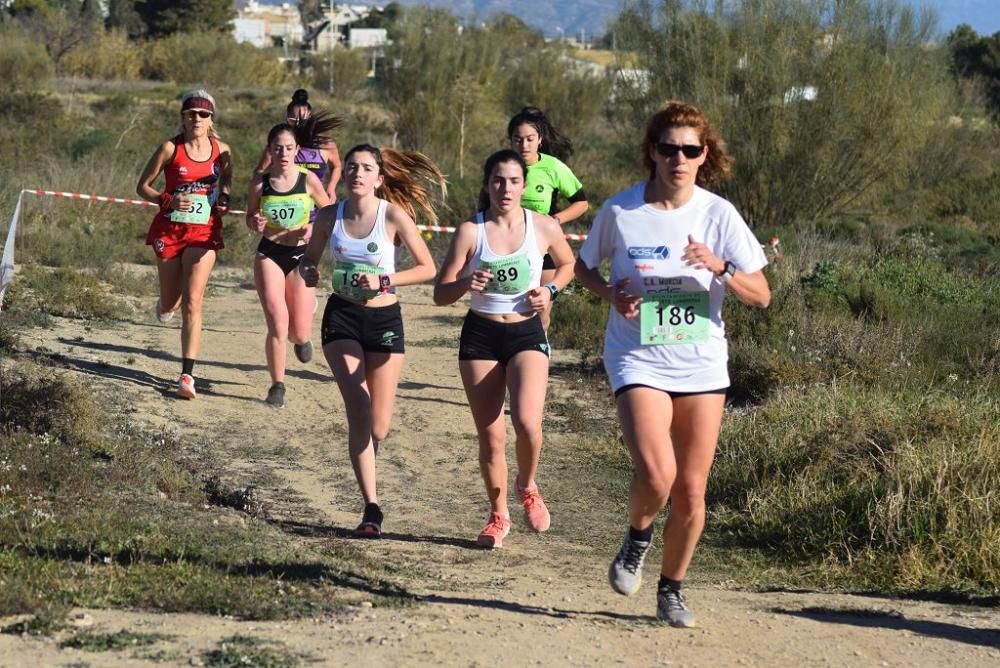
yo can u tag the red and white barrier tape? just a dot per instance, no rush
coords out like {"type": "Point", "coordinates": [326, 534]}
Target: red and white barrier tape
{"type": "Point", "coordinates": [141, 202]}
{"type": "Point", "coordinates": [7, 260]}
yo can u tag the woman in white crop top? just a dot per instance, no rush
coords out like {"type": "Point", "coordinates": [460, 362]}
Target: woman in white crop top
{"type": "Point", "coordinates": [496, 256]}
{"type": "Point", "coordinates": [362, 329]}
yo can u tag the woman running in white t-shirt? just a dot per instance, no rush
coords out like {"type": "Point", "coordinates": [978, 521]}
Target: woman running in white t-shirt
{"type": "Point", "coordinates": [675, 249]}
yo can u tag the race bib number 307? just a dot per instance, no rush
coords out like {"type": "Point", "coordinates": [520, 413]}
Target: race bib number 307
{"type": "Point", "coordinates": [511, 275]}
{"type": "Point", "coordinates": [199, 213]}
{"type": "Point", "coordinates": [673, 319]}
{"type": "Point", "coordinates": [288, 214]}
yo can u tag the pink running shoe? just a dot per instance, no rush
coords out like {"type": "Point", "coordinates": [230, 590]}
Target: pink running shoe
{"type": "Point", "coordinates": [185, 387]}
{"type": "Point", "coordinates": [494, 532]}
{"type": "Point", "coordinates": [536, 515]}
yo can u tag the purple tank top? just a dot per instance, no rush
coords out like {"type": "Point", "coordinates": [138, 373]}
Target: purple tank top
{"type": "Point", "coordinates": [312, 159]}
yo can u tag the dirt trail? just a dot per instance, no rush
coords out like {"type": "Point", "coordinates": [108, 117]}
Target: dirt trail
{"type": "Point", "coordinates": [542, 600]}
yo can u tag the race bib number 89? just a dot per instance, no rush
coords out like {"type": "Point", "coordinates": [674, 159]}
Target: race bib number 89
{"type": "Point", "coordinates": [199, 213]}
{"type": "Point", "coordinates": [511, 276]}
{"type": "Point", "coordinates": [672, 319]}
{"type": "Point", "coordinates": [345, 280]}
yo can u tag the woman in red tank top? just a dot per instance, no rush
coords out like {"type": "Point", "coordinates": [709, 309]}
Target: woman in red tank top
{"type": "Point", "coordinates": [187, 231]}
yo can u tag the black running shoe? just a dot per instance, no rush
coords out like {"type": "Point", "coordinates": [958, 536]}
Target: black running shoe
{"type": "Point", "coordinates": [371, 522]}
{"type": "Point", "coordinates": [276, 395]}
{"type": "Point", "coordinates": [304, 351]}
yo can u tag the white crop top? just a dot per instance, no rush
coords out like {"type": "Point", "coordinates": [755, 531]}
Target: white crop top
{"type": "Point", "coordinates": [372, 254]}
{"type": "Point", "coordinates": [514, 275]}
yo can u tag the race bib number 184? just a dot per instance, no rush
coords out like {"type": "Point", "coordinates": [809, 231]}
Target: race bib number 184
{"type": "Point", "coordinates": [672, 319]}
{"type": "Point", "coordinates": [345, 280]}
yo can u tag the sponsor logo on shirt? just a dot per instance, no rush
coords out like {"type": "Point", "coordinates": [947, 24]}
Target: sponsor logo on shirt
{"type": "Point", "coordinates": [648, 252]}
{"type": "Point", "coordinates": [539, 188]}
{"type": "Point", "coordinates": [643, 267]}
{"type": "Point", "coordinates": [341, 249]}
{"type": "Point", "coordinates": [372, 247]}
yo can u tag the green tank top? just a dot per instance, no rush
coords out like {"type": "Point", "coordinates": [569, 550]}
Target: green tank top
{"type": "Point", "coordinates": [286, 210]}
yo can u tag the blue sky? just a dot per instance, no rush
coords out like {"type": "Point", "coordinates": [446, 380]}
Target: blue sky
{"type": "Point", "coordinates": [982, 15]}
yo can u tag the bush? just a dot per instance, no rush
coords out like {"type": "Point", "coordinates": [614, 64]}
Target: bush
{"type": "Point", "coordinates": [350, 71]}
{"type": "Point", "coordinates": [24, 63]}
{"type": "Point", "coordinates": [893, 489]}
{"type": "Point", "coordinates": [211, 59]}
{"type": "Point", "coordinates": [108, 55]}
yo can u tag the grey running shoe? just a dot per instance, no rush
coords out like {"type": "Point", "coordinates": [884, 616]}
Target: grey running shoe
{"type": "Point", "coordinates": [625, 573]}
{"type": "Point", "coordinates": [671, 608]}
{"type": "Point", "coordinates": [304, 351]}
{"type": "Point", "coordinates": [276, 395]}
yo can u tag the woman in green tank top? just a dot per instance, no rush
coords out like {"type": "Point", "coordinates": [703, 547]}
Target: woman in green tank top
{"type": "Point", "coordinates": [543, 149]}
{"type": "Point", "coordinates": [278, 206]}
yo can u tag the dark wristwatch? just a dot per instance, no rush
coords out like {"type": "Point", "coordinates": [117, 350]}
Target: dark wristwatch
{"type": "Point", "coordinates": [728, 271]}
{"type": "Point", "coordinates": [553, 291]}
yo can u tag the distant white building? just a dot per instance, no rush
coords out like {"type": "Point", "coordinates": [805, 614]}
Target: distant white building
{"type": "Point", "coordinates": [266, 25]}
{"type": "Point", "coordinates": [366, 38]}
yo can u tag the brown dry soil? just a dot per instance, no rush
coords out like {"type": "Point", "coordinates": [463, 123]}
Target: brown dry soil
{"type": "Point", "coordinates": [541, 600]}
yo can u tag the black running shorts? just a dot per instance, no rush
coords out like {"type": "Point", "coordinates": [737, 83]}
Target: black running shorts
{"type": "Point", "coordinates": [379, 329]}
{"type": "Point", "coordinates": [485, 339]}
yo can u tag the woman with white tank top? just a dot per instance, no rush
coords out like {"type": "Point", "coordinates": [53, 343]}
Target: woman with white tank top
{"type": "Point", "coordinates": [496, 256]}
{"type": "Point", "coordinates": [362, 331]}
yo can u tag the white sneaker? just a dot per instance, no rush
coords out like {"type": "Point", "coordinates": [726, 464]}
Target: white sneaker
{"type": "Point", "coordinates": [160, 315]}
{"type": "Point", "coordinates": [185, 386]}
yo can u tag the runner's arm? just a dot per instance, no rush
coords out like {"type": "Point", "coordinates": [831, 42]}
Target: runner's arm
{"type": "Point", "coordinates": [151, 172]}
{"type": "Point", "coordinates": [423, 264]}
{"type": "Point", "coordinates": [332, 157]}
{"type": "Point", "coordinates": [449, 288]}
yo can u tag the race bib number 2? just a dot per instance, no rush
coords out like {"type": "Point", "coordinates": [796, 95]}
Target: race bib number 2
{"type": "Point", "coordinates": [345, 280]}
{"type": "Point", "coordinates": [511, 276]}
{"type": "Point", "coordinates": [672, 319]}
{"type": "Point", "coordinates": [199, 214]}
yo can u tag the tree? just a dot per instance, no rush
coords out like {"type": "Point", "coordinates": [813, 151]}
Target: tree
{"type": "Point", "coordinates": [977, 58]}
{"type": "Point", "coordinates": [122, 15]}
{"type": "Point", "coordinates": [166, 17]}
{"type": "Point", "coordinates": [823, 102]}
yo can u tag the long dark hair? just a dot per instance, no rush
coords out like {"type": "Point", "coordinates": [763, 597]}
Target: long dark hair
{"type": "Point", "coordinates": [314, 131]}
{"type": "Point", "coordinates": [501, 156]}
{"type": "Point", "coordinates": [553, 142]}
{"type": "Point", "coordinates": [407, 179]}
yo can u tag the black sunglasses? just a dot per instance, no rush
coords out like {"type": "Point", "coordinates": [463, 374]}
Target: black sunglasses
{"type": "Point", "coordinates": [191, 113]}
{"type": "Point", "coordinates": [690, 151]}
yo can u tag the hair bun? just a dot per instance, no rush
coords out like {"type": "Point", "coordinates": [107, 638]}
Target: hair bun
{"type": "Point", "coordinates": [300, 96]}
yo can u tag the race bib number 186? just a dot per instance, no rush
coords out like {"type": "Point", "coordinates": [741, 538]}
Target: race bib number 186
{"type": "Point", "coordinates": [672, 319]}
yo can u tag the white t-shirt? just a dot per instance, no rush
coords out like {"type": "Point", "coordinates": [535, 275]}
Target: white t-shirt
{"type": "Point", "coordinates": [678, 342]}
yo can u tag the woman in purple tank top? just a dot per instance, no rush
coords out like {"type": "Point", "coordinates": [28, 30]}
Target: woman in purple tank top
{"type": "Point", "coordinates": [317, 150]}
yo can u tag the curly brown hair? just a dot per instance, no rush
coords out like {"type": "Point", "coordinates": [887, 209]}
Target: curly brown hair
{"type": "Point", "coordinates": [673, 114]}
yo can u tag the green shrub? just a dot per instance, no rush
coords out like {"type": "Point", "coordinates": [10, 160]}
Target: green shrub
{"type": "Point", "coordinates": [108, 55]}
{"type": "Point", "coordinates": [896, 490]}
{"type": "Point", "coordinates": [350, 71]}
{"type": "Point", "coordinates": [211, 59]}
{"type": "Point", "coordinates": [24, 63]}
{"type": "Point", "coordinates": [579, 318]}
